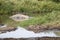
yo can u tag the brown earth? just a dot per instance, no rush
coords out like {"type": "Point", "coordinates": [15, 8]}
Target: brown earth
{"type": "Point", "coordinates": [45, 27]}
{"type": "Point", "coordinates": [38, 38]}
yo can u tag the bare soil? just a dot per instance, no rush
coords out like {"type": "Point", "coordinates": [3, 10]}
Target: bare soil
{"type": "Point", "coordinates": [43, 38]}
{"type": "Point", "coordinates": [40, 28]}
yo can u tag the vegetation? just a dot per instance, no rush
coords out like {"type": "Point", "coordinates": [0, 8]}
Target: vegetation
{"type": "Point", "coordinates": [28, 6]}
{"type": "Point", "coordinates": [42, 11]}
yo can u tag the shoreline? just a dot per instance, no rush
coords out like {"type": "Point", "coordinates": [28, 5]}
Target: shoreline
{"type": "Point", "coordinates": [36, 38]}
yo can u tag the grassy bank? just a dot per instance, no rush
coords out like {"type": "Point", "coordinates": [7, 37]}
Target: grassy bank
{"type": "Point", "coordinates": [53, 17]}
{"type": "Point", "coordinates": [42, 11]}
{"type": "Point", "coordinates": [28, 6]}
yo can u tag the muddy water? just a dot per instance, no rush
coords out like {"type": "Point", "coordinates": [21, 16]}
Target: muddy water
{"type": "Point", "coordinates": [23, 33]}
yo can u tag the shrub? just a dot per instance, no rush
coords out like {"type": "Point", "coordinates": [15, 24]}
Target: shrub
{"type": "Point", "coordinates": [5, 7]}
{"type": "Point", "coordinates": [28, 6]}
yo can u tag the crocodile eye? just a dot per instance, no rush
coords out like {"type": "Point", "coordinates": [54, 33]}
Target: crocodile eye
{"type": "Point", "coordinates": [18, 17]}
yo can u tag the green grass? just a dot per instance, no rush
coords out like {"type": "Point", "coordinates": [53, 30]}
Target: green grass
{"type": "Point", "coordinates": [39, 19]}
{"type": "Point", "coordinates": [28, 6]}
{"type": "Point", "coordinates": [42, 11]}
{"type": "Point", "coordinates": [47, 18]}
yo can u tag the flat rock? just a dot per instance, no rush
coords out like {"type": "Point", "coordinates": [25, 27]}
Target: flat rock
{"type": "Point", "coordinates": [5, 29]}
{"type": "Point", "coordinates": [3, 25]}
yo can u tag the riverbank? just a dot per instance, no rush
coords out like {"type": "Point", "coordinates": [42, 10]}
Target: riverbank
{"type": "Point", "coordinates": [43, 38]}
{"type": "Point", "coordinates": [45, 27]}
{"type": "Point", "coordinates": [46, 18]}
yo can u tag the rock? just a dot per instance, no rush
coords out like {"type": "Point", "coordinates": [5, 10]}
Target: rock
{"type": "Point", "coordinates": [5, 29]}
{"type": "Point", "coordinates": [3, 25]}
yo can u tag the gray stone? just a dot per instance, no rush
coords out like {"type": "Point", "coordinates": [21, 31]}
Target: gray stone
{"type": "Point", "coordinates": [7, 29]}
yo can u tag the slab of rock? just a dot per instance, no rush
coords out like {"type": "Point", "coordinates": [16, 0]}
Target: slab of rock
{"type": "Point", "coordinates": [3, 25]}
{"type": "Point", "coordinates": [7, 29]}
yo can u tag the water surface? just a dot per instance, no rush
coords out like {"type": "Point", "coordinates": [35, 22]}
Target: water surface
{"type": "Point", "coordinates": [23, 33]}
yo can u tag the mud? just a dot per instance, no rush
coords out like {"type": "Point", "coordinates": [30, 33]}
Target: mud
{"type": "Point", "coordinates": [41, 28]}
{"type": "Point", "coordinates": [43, 38]}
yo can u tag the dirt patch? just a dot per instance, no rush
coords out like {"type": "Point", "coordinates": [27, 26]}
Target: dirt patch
{"type": "Point", "coordinates": [37, 38]}
{"type": "Point", "coordinates": [40, 28]}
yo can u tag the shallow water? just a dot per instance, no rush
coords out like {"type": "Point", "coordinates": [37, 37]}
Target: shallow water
{"type": "Point", "coordinates": [23, 33]}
